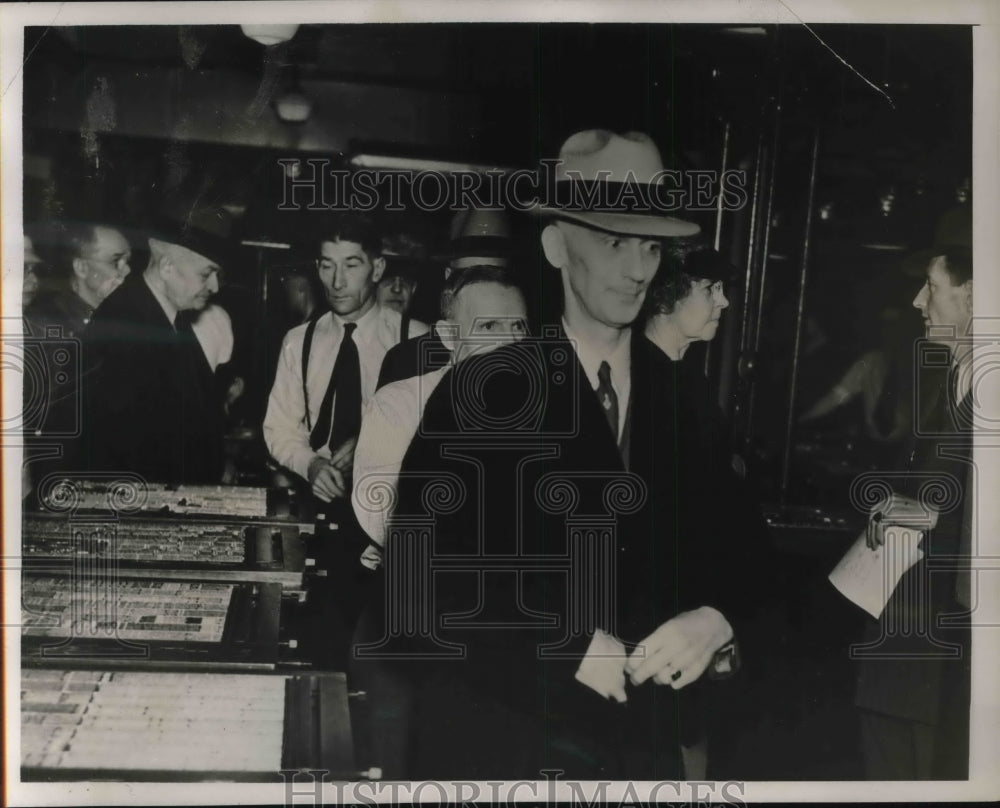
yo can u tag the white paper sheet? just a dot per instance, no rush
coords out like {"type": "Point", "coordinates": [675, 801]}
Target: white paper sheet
{"type": "Point", "coordinates": [868, 577]}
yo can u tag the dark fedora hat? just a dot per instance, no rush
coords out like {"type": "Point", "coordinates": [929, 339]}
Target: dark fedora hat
{"type": "Point", "coordinates": [709, 264]}
{"type": "Point", "coordinates": [479, 236]}
{"type": "Point", "coordinates": [199, 225]}
{"type": "Point", "coordinates": [953, 229]}
{"type": "Point", "coordinates": [405, 255]}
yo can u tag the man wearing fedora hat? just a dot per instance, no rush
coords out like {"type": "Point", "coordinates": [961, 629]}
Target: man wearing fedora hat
{"type": "Point", "coordinates": [151, 404]}
{"type": "Point", "coordinates": [557, 443]}
{"type": "Point", "coordinates": [478, 238]}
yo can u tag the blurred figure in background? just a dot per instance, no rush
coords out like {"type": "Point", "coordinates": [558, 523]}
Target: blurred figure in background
{"type": "Point", "coordinates": [404, 259]}
{"type": "Point", "coordinates": [91, 261]}
{"type": "Point", "coordinates": [881, 380]}
{"type": "Point", "coordinates": [301, 297]}
{"type": "Point", "coordinates": [30, 282]}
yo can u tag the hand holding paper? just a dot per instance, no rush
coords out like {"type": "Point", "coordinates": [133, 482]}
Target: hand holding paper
{"type": "Point", "coordinates": [900, 511]}
{"type": "Point", "coordinates": [868, 576]}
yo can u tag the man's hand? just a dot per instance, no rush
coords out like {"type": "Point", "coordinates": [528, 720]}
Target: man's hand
{"type": "Point", "coordinates": [327, 480]}
{"type": "Point", "coordinates": [343, 458]}
{"type": "Point", "coordinates": [680, 650]}
{"type": "Point", "coordinates": [234, 391]}
{"type": "Point", "coordinates": [901, 511]}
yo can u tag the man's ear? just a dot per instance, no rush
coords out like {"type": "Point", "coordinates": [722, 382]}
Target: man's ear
{"type": "Point", "coordinates": [447, 331]}
{"type": "Point", "coordinates": [159, 252]}
{"type": "Point", "coordinates": [80, 268]}
{"type": "Point", "coordinates": [378, 267]}
{"type": "Point", "coordinates": [967, 288]}
{"type": "Point", "coordinates": [554, 246]}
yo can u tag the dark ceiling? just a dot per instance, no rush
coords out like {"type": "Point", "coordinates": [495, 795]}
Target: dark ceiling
{"type": "Point", "coordinates": [539, 83]}
{"type": "Point", "coordinates": [669, 79]}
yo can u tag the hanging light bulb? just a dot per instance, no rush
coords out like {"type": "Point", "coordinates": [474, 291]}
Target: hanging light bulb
{"type": "Point", "coordinates": [268, 35]}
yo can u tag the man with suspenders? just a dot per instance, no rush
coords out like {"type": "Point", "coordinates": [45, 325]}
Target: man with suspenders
{"type": "Point", "coordinates": [326, 372]}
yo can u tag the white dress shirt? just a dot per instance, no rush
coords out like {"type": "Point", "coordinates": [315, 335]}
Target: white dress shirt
{"type": "Point", "coordinates": [620, 362]}
{"type": "Point", "coordinates": [388, 424]}
{"type": "Point", "coordinates": [214, 331]}
{"type": "Point", "coordinates": [285, 430]}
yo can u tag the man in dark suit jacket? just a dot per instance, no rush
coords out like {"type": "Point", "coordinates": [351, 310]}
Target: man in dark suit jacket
{"type": "Point", "coordinates": [151, 403]}
{"type": "Point", "coordinates": [914, 666]}
{"type": "Point", "coordinates": [559, 612]}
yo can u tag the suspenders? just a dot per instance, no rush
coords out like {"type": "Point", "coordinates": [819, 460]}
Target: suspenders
{"type": "Point", "coordinates": [306, 348]}
{"type": "Point", "coordinates": [404, 333]}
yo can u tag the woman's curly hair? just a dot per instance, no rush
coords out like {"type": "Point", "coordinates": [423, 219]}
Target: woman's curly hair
{"type": "Point", "coordinates": [672, 284]}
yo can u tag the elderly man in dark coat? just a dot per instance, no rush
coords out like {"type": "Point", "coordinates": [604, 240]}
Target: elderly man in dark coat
{"type": "Point", "coordinates": [151, 403]}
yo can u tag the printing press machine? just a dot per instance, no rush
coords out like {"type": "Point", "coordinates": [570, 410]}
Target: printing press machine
{"type": "Point", "coordinates": [158, 619]}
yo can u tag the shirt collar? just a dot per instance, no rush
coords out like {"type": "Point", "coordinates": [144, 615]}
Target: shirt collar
{"type": "Point", "coordinates": [591, 358]}
{"type": "Point", "coordinates": [366, 323]}
{"type": "Point", "coordinates": [168, 308]}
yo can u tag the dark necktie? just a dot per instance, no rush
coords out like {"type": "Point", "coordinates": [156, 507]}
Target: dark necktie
{"type": "Point", "coordinates": [608, 397]}
{"type": "Point", "coordinates": [345, 380]}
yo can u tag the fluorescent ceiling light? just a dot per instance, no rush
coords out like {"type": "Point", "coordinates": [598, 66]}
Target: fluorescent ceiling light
{"type": "Point", "coordinates": [415, 164]}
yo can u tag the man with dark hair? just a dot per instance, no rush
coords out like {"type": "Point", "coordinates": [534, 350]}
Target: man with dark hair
{"type": "Point", "coordinates": [152, 405]}
{"type": "Point", "coordinates": [914, 666]}
{"type": "Point", "coordinates": [328, 367]}
{"type": "Point", "coordinates": [326, 373]}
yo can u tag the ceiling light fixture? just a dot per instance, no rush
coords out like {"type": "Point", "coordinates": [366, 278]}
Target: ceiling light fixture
{"type": "Point", "coordinates": [293, 107]}
{"type": "Point", "coordinates": [268, 35]}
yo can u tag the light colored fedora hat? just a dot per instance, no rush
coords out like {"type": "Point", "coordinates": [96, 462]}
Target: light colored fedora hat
{"type": "Point", "coordinates": [597, 167]}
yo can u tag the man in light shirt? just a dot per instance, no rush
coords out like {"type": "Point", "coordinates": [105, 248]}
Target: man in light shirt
{"type": "Point", "coordinates": [300, 407]}
{"type": "Point", "coordinates": [482, 308]}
